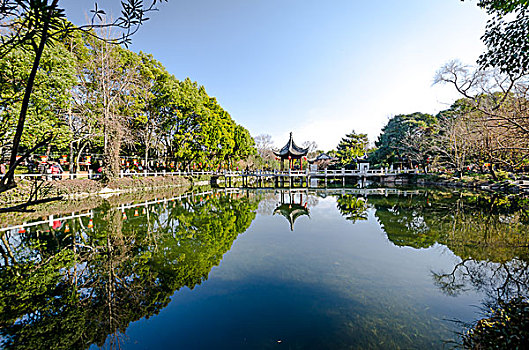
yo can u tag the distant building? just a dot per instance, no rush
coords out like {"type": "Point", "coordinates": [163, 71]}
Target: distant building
{"type": "Point", "coordinates": [362, 164]}
{"type": "Point", "coordinates": [322, 161]}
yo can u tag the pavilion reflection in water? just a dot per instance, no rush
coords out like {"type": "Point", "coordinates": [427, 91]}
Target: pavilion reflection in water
{"type": "Point", "coordinates": [292, 206]}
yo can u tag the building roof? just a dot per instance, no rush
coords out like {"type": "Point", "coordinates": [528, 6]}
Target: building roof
{"type": "Point", "coordinates": [322, 157]}
{"type": "Point", "coordinates": [291, 149]}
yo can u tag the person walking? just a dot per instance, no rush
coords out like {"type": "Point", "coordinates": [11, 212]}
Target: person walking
{"type": "Point", "coordinates": [55, 171]}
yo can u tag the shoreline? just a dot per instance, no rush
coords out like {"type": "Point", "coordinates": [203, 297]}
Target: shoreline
{"type": "Point", "coordinates": [482, 185]}
{"type": "Point", "coordinates": [78, 189]}
{"type": "Point", "coordinates": [83, 188]}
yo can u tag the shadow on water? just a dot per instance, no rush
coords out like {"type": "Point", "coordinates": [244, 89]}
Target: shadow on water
{"type": "Point", "coordinates": [81, 281]}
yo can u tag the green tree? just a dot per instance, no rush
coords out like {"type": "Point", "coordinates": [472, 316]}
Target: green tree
{"type": "Point", "coordinates": [35, 25]}
{"type": "Point", "coordinates": [405, 139]}
{"type": "Point", "coordinates": [244, 144]}
{"type": "Point", "coordinates": [351, 147]}
{"type": "Point", "coordinates": [48, 103]}
{"type": "Point", "coordinates": [506, 36]}
{"type": "Point", "coordinates": [156, 86]}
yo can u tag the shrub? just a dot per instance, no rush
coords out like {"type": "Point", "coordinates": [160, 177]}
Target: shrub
{"type": "Point", "coordinates": [506, 328]}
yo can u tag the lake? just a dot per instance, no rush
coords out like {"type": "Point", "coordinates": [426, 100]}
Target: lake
{"type": "Point", "coordinates": [262, 269]}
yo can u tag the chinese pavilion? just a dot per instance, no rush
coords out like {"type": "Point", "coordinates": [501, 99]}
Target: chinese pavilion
{"type": "Point", "coordinates": [292, 152]}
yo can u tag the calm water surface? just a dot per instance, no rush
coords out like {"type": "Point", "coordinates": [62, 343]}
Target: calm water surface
{"type": "Point", "coordinates": [330, 269]}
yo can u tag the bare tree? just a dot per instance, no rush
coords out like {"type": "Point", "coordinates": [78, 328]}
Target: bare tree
{"type": "Point", "coordinates": [264, 144]}
{"type": "Point", "coordinates": [498, 111]}
{"type": "Point", "coordinates": [114, 72]}
{"type": "Point", "coordinates": [312, 146]}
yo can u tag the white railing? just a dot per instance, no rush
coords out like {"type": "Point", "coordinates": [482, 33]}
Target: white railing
{"type": "Point", "coordinates": [356, 172]}
{"type": "Point", "coordinates": [230, 173]}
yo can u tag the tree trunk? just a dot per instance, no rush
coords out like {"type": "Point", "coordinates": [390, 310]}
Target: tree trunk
{"type": "Point", "coordinates": [9, 180]}
{"type": "Point", "coordinates": [146, 156]}
{"type": "Point", "coordinates": [111, 165]}
{"type": "Point", "coordinates": [71, 168]}
{"type": "Point", "coordinates": [77, 159]}
{"type": "Point", "coordinates": [492, 172]}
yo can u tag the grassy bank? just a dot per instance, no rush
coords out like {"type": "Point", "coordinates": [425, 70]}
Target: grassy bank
{"type": "Point", "coordinates": [70, 189]}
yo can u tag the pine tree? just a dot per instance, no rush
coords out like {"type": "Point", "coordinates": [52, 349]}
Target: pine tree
{"type": "Point", "coordinates": [351, 147]}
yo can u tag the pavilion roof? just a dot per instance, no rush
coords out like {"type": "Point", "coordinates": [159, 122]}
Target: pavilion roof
{"type": "Point", "coordinates": [291, 149]}
{"type": "Point", "coordinates": [291, 212]}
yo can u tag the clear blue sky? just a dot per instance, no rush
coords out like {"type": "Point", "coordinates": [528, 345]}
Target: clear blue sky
{"type": "Point", "coordinates": [317, 68]}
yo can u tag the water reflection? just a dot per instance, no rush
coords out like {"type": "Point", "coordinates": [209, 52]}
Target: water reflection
{"type": "Point", "coordinates": [482, 227]}
{"type": "Point", "coordinates": [81, 279]}
{"type": "Point", "coordinates": [71, 285]}
{"type": "Point", "coordinates": [292, 206]}
{"type": "Point", "coordinates": [490, 235]}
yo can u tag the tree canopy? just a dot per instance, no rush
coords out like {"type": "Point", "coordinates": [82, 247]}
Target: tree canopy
{"type": "Point", "coordinates": [506, 36]}
{"type": "Point", "coordinates": [103, 100]}
{"type": "Point", "coordinates": [351, 147]}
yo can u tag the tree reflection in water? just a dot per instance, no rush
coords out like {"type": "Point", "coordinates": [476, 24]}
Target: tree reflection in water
{"type": "Point", "coordinates": [490, 234]}
{"type": "Point", "coordinates": [74, 285]}
{"type": "Point", "coordinates": [352, 207]}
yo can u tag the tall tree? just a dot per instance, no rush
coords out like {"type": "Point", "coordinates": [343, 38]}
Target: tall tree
{"type": "Point", "coordinates": [404, 139]}
{"type": "Point", "coordinates": [34, 25]}
{"type": "Point", "coordinates": [113, 74]}
{"type": "Point", "coordinates": [351, 147]}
